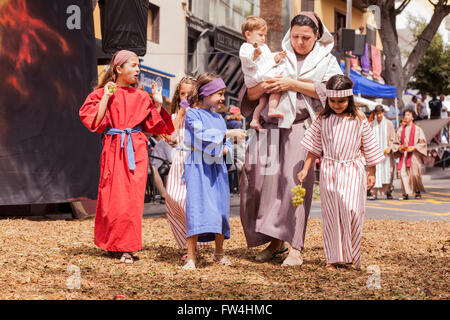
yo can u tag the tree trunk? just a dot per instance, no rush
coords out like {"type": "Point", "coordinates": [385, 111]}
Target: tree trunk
{"type": "Point", "coordinates": [395, 73]}
{"type": "Point", "coordinates": [393, 61]}
{"type": "Point", "coordinates": [424, 41]}
{"type": "Point", "coordinates": [271, 11]}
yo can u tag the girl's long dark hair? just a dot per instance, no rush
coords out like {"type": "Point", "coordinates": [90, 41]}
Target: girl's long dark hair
{"type": "Point", "coordinates": [341, 82]}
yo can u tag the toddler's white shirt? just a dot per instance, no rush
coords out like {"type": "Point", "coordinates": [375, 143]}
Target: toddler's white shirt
{"type": "Point", "coordinates": [262, 68]}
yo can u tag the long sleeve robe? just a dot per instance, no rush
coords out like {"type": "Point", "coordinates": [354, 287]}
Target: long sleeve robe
{"type": "Point", "coordinates": [120, 204]}
{"type": "Point", "coordinates": [385, 169]}
{"type": "Point", "coordinates": [411, 177]}
{"type": "Point", "coordinates": [343, 182]}
{"type": "Point", "coordinates": [206, 175]}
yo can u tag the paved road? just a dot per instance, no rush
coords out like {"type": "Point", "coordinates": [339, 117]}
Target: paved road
{"type": "Point", "coordinates": [434, 205]}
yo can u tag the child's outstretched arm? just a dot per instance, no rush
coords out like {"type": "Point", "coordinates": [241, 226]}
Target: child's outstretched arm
{"type": "Point", "coordinates": [310, 160]}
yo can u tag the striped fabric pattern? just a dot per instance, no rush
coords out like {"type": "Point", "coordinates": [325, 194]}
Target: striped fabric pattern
{"type": "Point", "coordinates": [176, 194]}
{"type": "Point", "coordinates": [343, 182]}
{"type": "Point", "coordinates": [339, 93]}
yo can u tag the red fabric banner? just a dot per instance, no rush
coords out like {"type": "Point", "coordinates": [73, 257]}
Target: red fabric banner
{"type": "Point", "coordinates": [376, 62]}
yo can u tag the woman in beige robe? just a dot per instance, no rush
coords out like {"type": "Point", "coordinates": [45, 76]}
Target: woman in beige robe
{"type": "Point", "coordinates": [411, 155]}
{"type": "Point", "coordinates": [274, 155]}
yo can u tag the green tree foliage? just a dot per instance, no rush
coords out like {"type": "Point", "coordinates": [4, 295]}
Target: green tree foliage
{"type": "Point", "coordinates": [432, 73]}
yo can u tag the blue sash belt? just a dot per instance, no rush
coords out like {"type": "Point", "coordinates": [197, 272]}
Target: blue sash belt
{"type": "Point", "coordinates": [130, 149]}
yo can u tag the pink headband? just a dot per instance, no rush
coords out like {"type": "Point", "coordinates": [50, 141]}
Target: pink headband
{"type": "Point", "coordinates": [339, 93]}
{"type": "Point", "coordinates": [211, 87]}
{"type": "Point", "coordinates": [312, 16]}
{"type": "Point", "coordinates": [122, 56]}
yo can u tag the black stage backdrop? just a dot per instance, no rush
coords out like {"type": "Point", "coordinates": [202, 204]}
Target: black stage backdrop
{"type": "Point", "coordinates": [124, 25]}
{"type": "Point", "coordinates": [47, 68]}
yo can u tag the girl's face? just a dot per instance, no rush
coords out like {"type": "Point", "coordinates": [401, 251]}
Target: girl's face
{"type": "Point", "coordinates": [185, 89]}
{"type": "Point", "coordinates": [339, 105]}
{"type": "Point", "coordinates": [129, 71]}
{"type": "Point", "coordinates": [214, 100]}
{"type": "Point", "coordinates": [302, 39]}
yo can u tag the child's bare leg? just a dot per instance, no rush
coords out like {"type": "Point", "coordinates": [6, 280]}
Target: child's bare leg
{"type": "Point", "coordinates": [218, 252]}
{"type": "Point", "coordinates": [159, 183]}
{"type": "Point", "coordinates": [191, 247]}
{"type": "Point", "coordinates": [274, 99]}
{"type": "Point", "coordinates": [254, 124]}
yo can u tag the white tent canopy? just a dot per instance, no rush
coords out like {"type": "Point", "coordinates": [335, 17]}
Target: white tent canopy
{"type": "Point", "coordinates": [368, 103]}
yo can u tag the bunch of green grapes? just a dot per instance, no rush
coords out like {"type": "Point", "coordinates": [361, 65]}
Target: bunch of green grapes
{"type": "Point", "coordinates": [299, 193]}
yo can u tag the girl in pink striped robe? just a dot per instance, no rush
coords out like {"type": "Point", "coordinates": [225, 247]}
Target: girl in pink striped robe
{"type": "Point", "coordinates": [342, 136]}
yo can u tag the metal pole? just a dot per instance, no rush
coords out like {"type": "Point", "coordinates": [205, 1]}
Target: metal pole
{"type": "Point", "coordinates": [348, 24]}
{"type": "Point", "coordinates": [396, 112]}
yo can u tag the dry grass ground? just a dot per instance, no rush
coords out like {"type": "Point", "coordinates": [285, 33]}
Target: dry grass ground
{"type": "Point", "coordinates": [412, 257]}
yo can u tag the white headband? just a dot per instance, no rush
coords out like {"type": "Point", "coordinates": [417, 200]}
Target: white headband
{"type": "Point", "coordinates": [339, 93]}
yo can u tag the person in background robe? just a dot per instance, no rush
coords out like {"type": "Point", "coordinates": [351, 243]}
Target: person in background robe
{"type": "Point", "coordinates": [410, 143]}
{"type": "Point", "coordinates": [385, 135]}
{"type": "Point", "coordinates": [123, 114]}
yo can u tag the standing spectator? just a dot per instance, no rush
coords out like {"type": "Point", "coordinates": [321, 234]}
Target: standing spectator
{"type": "Point", "coordinates": [412, 105]}
{"type": "Point", "coordinates": [392, 115]}
{"type": "Point", "coordinates": [444, 110]}
{"type": "Point", "coordinates": [161, 150]}
{"type": "Point", "coordinates": [444, 115]}
{"type": "Point", "coordinates": [234, 120]}
{"type": "Point", "coordinates": [423, 106]}
{"type": "Point", "coordinates": [435, 107]}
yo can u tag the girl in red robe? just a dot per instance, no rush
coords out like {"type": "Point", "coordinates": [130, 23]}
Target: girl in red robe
{"type": "Point", "coordinates": [123, 114]}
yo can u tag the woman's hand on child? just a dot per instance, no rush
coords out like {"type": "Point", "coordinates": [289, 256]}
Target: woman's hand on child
{"type": "Point", "coordinates": [278, 84]}
{"type": "Point", "coordinates": [225, 151]}
{"type": "Point", "coordinates": [302, 175]}
{"type": "Point", "coordinates": [370, 181]}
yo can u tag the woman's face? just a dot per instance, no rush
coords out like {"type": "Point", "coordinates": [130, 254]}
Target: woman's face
{"type": "Point", "coordinates": [129, 71]}
{"type": "Point", "coordinates": [303, 39]}
{"type": "Point", "coordinates": [185, 89]}
{"type": "Point", "coordinates": [338, 105]}
{"type": "Point", "coordinates": [214, 100]}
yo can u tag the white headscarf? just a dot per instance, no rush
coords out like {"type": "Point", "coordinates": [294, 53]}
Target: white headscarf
{"type": "Point", "coordinates": [319, 65]}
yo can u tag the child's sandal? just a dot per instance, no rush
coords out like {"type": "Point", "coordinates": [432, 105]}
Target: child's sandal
{"type": "Point", "coordinates": [190, 265]}
{"type": "Point", "coordinates": [126, 258]}
{"type": "Point", "coordinates": [222, 259]}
